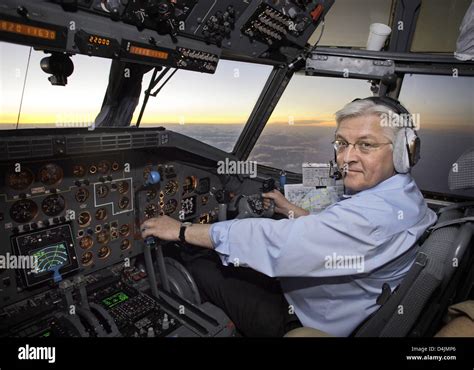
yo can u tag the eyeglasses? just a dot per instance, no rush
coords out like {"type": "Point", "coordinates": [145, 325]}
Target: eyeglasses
{"type": "Point", "coordinates": [364, 147]}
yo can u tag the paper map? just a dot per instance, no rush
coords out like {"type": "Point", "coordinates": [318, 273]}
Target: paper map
{"type": "Point", "coordinates": [312, 199]}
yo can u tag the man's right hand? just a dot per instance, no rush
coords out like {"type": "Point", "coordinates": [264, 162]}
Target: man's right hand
{"type": "Point", "coordinates": [283, 205]}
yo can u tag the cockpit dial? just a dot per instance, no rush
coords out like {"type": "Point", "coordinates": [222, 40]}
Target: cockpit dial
{"type": "Point", "coordinates": [124, 202]}
{"type": "Point", "coordinates": [84, 219]}
{"type": "Point", "coordinates": [50, 174]}
{"type": "Point", "coordinates": [171, 187]}
{"type": "Point", "coordinates": [103, 167]}
{"type": "Point", "coordinates": [151, 210]}
{"type": "Point", "coordinates": [103, 237]}
{"type": "Point", "coordinates": [104, 252]}
{"type": "Point", "coordinates": [23, 210]}
{"type": "Point", "coordinates": [124, 230]}
{"type": "Point", "coordinates": [81, 195]}
{"type": "Point", "coordinates": [101, 214]}
{"type": "Point", "coordinates": [86, 242]}
{"type": "Point", "coordinates": [123, 187]}
{"type": "Point", "coordinates": [150, 194]}
{"type": "Point", "coordinates": [189, 184]}
{"type": "Point", "coordinates": [53, 205]}
{"type": "Point", "coordinates": [79, 170]}
{"type": "Point", "coordinates": [102, 190]}
{"type": "Point", "coordinates": [86, 258]}
{"type": "Point", "coordinates": [170, 206]}
{"type": "Point", "coordinates": [20, 180]}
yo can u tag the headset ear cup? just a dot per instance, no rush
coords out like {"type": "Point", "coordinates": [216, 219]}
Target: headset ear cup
{"type": "Point", "coordinates": [406, 150]}
{"type": "Point", "coordinates": [413, 146]}
{"type": "Point", "coordinates": [401, 160]}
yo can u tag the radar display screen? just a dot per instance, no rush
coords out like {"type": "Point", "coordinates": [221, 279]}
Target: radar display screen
{"type": "Point", "coordinates": [52, 250]}
{"type": "Point", "coordinates": [50, 258]}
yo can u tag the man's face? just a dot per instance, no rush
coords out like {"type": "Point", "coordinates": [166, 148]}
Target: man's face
{"type": "Point", "coordinates": [365, 170]}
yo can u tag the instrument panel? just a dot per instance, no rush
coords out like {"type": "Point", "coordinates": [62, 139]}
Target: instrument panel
{"type": "Point", "coordinates": [184, 34]}
{"type": "Point", "coordinates": [98, 202]}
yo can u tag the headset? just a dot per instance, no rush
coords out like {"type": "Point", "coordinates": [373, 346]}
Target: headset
{"type": "Point", "coordinates": [406, 146]}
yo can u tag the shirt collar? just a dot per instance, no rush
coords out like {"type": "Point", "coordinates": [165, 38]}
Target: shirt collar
{"type": "Point", "coordinates": [394, 182]}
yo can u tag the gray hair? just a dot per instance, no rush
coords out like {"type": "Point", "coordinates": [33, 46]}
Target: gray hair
{"type": "Point", "coordinates": [362, 107]}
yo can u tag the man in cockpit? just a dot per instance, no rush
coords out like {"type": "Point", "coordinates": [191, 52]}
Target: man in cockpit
{"type": "Point", "coordinates": [324, 270]}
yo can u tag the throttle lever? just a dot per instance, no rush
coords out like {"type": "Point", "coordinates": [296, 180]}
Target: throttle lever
{"type": "Point", "coordinates": [150, 243]}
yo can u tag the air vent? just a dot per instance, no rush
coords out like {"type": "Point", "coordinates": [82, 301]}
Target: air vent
{"type": "Point", "coordinates": [37, 146]}
{"type": "Point", "coordinates": [33, 148]}
{"type": "Point", "coordinates": [3, 150]}
{"type": "Point", "coordinates": [111, 142]}
{"type": "Point", "coordinates": [145, 140]}
{"type": "Point", "coordinates": [116, 142]}
{"type": "Point", "coordinates": [41, 147]}
{"type": "Point", "coordinates": [82, 144]}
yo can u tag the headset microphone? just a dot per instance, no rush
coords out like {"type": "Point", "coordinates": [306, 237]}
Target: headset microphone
{"type": "Point", "coordinates": [345, 169]}
{"type": "Point", "coordinates": [334, 172]}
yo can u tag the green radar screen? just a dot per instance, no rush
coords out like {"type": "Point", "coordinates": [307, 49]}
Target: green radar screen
{"type": "Point", "coordinates": [52, 254]}
{"type": "Point", "coordinates": [51, 258]}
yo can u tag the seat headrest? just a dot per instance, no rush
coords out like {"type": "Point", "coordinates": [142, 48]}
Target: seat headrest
{"type": "Point", "coordinates": [461, 175]}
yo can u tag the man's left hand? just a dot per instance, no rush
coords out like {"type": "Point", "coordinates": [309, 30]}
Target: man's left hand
{"type": "Point", "coordinates": [162, 227]}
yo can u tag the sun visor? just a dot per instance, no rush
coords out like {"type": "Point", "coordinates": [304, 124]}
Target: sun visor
{"type": "Point", "coordinates": [123, 94]}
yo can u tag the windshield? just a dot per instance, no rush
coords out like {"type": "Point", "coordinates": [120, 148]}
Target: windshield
{"type": "Point", "coordinates": [43, 105]}
{"type": "Point", "coordinates": [444, 106]}
{"type": "Point", "coordinates": [211, 108]}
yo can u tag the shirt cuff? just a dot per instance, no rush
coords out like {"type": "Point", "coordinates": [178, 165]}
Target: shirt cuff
{"type": "Point", "coordinates": [219, 234]}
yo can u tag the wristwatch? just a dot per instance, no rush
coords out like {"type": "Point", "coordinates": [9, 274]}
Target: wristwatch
{"type": "Point", "coordinates": [182, 230]}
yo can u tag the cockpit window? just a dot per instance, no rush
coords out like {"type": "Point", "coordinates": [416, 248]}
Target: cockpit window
{"type": "Point", "coordinates": [210, 108]}
{"type": "Point", "coordinates": [441, 18]}
{"type": "Point", "coordinates": [44, 105]}
{"type": "Point", "coordinates": [302, 125]}
{"type": "Point", "coordinates": [443, 105]}
{"type": "Point", "coordinates": [356, 16]}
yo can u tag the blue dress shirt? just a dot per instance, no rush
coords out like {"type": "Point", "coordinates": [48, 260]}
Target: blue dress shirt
{"type": "Point", "coordinates": [332, 265]}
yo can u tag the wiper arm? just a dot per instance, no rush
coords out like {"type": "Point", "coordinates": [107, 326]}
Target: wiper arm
{"type": "Point", "coordinates": [153, 82]}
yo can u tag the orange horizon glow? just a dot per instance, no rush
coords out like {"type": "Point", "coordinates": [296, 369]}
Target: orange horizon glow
{"type": "Point", "coordinates": [198, 99]}
{"type": "Point", "coordinates": [85, 120]}
{"type": "Point", "coordinates": [64, 123]}
{"type": "Point", "coordinates": [65, 120]}
{"type": "Point", "coordinates": [52, 119]}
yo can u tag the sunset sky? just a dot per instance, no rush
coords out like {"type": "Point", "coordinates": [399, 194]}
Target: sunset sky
{"type": "Point", "coordinates": [230, 94]}
{"type": "Point", "coordinates": [226, 97]}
